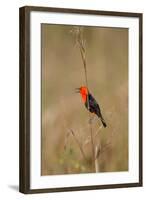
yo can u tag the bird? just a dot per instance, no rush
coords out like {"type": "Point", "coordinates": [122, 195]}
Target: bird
{"type": "Point", "coordinates": [90, 103]}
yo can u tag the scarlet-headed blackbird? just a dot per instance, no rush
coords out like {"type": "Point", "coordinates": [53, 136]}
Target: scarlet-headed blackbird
{"type": "Point", "coordinates": [90, 103]}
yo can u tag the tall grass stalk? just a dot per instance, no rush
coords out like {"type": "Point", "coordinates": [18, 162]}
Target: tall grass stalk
{"type": "Point", "coordinates": [81, 44]}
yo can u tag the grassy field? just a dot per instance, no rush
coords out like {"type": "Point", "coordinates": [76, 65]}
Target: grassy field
{"type": "Point", "coordinates": [63, 110]}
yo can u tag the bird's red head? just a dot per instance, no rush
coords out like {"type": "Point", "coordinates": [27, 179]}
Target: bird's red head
{"type": "Point", "coordinates": [83, 90]}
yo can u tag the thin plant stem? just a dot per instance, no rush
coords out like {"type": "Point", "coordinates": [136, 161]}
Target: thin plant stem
{"type": "Point", "coordinates": [96, 159]}
{"type": "Point", "coordinates": [92, 141]}
{"type": "Point", "coordinates": [81, 44]}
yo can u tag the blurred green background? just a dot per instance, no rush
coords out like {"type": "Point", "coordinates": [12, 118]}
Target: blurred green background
{"type": "Point", "coordinates": [62, 108]}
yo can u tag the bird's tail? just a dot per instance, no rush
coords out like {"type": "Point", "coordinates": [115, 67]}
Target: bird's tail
{"type": "Point", "coordinates": [103, 122]}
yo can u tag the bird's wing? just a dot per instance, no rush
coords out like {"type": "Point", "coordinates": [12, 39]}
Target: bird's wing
{"type": "Point", "coordinates": [92, 101]}
{"type": "Point", "coordinates": [94, 105]}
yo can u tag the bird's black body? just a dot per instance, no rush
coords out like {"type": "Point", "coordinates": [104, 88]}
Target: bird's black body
{"type": "Point", "coordinates": [93, 107]}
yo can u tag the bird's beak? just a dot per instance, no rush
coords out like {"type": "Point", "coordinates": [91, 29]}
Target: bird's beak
{"type": "Point", "coordinates": [77, 90]}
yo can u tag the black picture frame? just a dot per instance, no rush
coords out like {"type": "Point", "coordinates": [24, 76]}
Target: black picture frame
{"type": "Point", "coordinates": [24, 98]}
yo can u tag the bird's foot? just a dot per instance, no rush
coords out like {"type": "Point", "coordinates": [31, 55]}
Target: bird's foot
{"type": "Point", "coordinates": [91, 119]}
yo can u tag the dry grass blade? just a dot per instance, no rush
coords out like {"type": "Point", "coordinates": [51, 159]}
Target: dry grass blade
{"type": "Point", "coordinates": [104, 148]}
{"type": "Point", "coordinates": [88, 139]}
{"type": "Point", "coordinates": [66, 140]}
{"type": "Point", "coordinates": [78, 143]}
